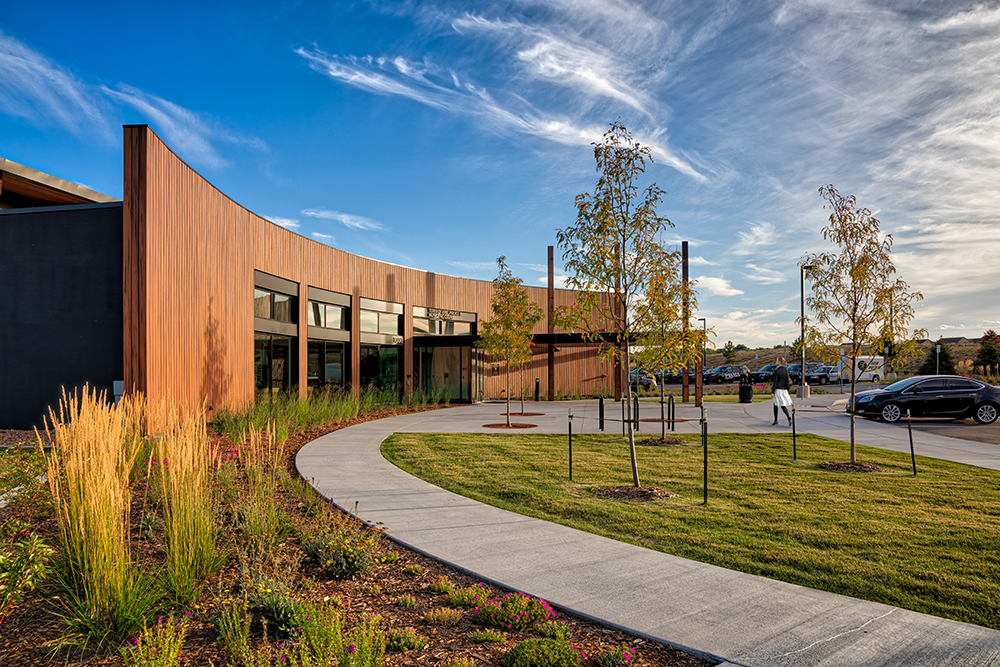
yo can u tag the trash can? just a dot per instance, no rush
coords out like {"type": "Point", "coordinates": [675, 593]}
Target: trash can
{"type": "Point", "coordinates": [746, 390]}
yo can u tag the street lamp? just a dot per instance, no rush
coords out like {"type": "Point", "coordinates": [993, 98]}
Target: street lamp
{"type": "Point", "coordinates": [802, 335]}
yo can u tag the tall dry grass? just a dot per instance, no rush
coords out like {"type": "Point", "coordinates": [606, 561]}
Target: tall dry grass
{"type": "Point", "coordinates": [185, 477]}
{"type": "Point", "coordinates": [97, 444]}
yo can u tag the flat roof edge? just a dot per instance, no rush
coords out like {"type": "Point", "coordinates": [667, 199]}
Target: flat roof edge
{"type": "Point", "coordinates": [53, 182]}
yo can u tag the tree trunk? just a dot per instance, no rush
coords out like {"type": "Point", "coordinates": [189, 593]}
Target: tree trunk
{"type": "Point", "coordinates": [853, 408]}
{"type": "Point", "coordinates": [628, 416]}
{"type": "Point", "coordinates": [663, 423]}
{"type": "Point", "coordinates": [508, 394]}
{"type": "Point", "coordinates": [522, 390]}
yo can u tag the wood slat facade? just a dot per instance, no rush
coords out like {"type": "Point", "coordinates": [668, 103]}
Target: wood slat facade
{"type": "Point", "coordinates": [190, 253]}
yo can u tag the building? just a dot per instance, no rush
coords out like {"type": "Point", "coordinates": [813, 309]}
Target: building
{"type": "Point", "coordinates": [179, 292]}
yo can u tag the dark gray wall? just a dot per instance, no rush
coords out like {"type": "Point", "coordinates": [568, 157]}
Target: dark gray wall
{"type": "Point", "coordinates": [60, 306]}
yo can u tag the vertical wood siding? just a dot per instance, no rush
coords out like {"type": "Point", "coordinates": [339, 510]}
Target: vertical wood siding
{"type": "Point", "coordinates": [190, 254]}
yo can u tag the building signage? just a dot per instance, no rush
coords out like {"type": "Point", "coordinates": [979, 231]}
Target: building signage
{"type": "Point", "coordinates": [443, 314]}
{"type": "Point", "coordinates": [397, 340]}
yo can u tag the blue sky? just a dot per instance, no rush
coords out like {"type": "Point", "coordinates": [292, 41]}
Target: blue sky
{"type": "Point", "coordinates": [440, 134]}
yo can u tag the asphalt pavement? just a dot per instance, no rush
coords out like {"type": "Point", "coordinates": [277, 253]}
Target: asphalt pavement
{"type": "Point", "coordinates": [723, 615]}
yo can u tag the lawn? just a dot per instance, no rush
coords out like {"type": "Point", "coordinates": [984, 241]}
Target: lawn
{"type": "Point", "coordinates": [926, 543]}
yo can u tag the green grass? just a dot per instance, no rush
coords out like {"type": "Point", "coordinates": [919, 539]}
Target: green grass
{"type": "Point", "coordinates": [927, 543]}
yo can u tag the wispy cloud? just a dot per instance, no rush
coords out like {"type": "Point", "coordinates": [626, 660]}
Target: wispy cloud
{"type": "Point", "coordinates": [325, 238]}
{"type": "Point", "coordinates": [287, 223]}
{"type": "Point", "coordinates": [355, 222]}
{"type": "Point", "coordinates": [700, 261]}
{"type": "Point", "coordinates": [474, 266]}
{"type": "Point", "coordinates": [34, 88]}
{"type": "Point", "coordinates": [191, 134]}
{"type": "Point", "coordinates": [718, 286]}
{"type": "Point", "coordinates": [756, 236]}
{"type": "Point", "coordinates": [759, 274]}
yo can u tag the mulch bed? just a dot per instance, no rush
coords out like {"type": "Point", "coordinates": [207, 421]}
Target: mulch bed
{"type": "Point", "coordinates": [640, 493]}
{"type": "Point", "coordinates": [510, 425]}
{"type": "Point", "coordinates": [523, 414]}
{"type": "Point", "coordinates": [28, 636]}
{"type": "Point", "coordinates": [659, 441]}
{"type": "Point", "coordinates": [849, 467]}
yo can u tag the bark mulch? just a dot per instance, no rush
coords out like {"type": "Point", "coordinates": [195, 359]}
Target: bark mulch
{"type": "Point", "coordinates": [839, 466]}
{"type": "Point", "coordinates": [640, 493]}
{"type": "Point", "coordinates": [29, 636]}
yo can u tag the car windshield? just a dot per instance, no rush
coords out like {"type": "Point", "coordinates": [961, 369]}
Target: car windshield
{"type": "Point", "coordinates": [718, 369]}
{"type": "Point", "coordinates": [903, 384]}
{"type": "Point", "coordinates": [769, 367]}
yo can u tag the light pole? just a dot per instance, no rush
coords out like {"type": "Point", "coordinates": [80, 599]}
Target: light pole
{"type": "Point", "coordinates": [802, 335]}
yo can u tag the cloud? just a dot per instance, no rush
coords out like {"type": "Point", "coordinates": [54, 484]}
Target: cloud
{"type": "Point", "coordinates": [191, 134]}
{"type": "Point", "coordinates": [758, 235]}
{"type": "Point", "coordinates": [718, 286]}
{"type": "Point", "coordinates": [34, 88]}
{"type": "Point", "coordinates": [700, 261]}
{"type": "Point", "coordinates": [325, 238]}
{"type": "Point", "coordinates": [355, 222]}
{"type": "Point", "coordinates": [287, 223]}
{"type": "Point", "coordinates": [761, 275]}
{"type": "Point", "coordinates": [557, 281]}
{"type": "Point", "coordinates": [474, 266]}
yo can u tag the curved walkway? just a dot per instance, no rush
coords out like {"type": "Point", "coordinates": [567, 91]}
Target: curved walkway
{"type": "Point", "coordinates": [720, 614]}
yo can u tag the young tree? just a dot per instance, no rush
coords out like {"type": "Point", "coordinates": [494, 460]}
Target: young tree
{"type": "Point", "coordinates": [856, 297]}
{"type": "Point", "coordinates": [507, 335]}
{"type": "Point", "coordinates": [729, 352]}
{"type": "Point", "coordinates": [930, 365]}
{"type": "Point", "coordinates": [991, 336]}
{"type": "Point", "coordinates": [987, 358]}
{"type": "Point", "coordinates": [662, 341]}
{"type": "Point", "coordinates": [612, 251]}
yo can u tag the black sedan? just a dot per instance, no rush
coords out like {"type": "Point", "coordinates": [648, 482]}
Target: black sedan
{"type": "Point", "coordinates": [945, 396]}
{"type": "Point", "coordinates": [764, 374]}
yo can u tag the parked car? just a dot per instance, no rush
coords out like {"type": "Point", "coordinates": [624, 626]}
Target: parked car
{"type": "Point", "coordinates": [947, 396]}
{"type": "Point", "coordinates": [727, 373]}
{"type": "Point", "coordinates": [643, 378]}
{"type": "Point", "coordinates": [823, 375]}
{"type": "Point", "coordinates": [794, 371]}
{"type": "Point", "coordinates": [764, 373]}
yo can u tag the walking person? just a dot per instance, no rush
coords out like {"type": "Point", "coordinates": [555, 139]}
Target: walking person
{"type": "Point", "coordinates": [779, 391]}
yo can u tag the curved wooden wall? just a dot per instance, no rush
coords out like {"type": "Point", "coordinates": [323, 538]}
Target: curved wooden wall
{"type": "Point", "coordinates": [190, 255]}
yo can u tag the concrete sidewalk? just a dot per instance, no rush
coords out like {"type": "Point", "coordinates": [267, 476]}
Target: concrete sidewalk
{"type": "Point", "coordinates": [736, 618]}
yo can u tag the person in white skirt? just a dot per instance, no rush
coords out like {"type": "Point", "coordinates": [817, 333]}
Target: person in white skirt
{"type": "Point", "coordinates": [779, 391]}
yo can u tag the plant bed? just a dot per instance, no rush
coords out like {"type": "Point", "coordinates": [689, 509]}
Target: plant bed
{"type": "Point", "coordinates": [289, 580]}
{"type": "Point", "coordinates": [641, 493]}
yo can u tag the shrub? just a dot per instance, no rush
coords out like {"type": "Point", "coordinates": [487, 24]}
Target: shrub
{"type": "Point", "coordinates": [615, 657]}
{"type": "Point", "coordinates": [159, 646]}
{"type": "Point", "coordinates": [390, 557]}
{"type": "Point", "coordinates": [515, 611]}
{"type": "Point", "coordinates": [344, 548]}
{"type": "Point", "coordinates": [322, 632]}
{"type": "Point", "coordinates": [543, 653]}
{"type": "Point", "coordinates": [233, 625]}
{"type": "Point", "coordinates": [272, 609]}
{"type": "Point", "coordinates": [488, 635]}
{"type": "Point", "coordinates": [444, 616]}
{"type": "Point", "coordinates": [554, 629]}
{"type": "Point", "coordinates": [406, 601]}
{"type": "Point", "coordinates": [364, 645]}
{"type": "Point", "coordinates": [413, 570]}
{"type": "Point", "coordinates": [470, 596]}
{"type": "Point", "coordinates": [404, 640]}
{"type": "Point", "coordinates": [442, 585]}
{"type": "Point", "coordinates": [22, 566]}
{"type": "Point", "coordinates": [459, 662]}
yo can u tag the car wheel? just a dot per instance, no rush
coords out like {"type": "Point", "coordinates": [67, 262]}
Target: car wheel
{"type": "Point", "coordinates": [986, 413]}
{"type": "Point", "coordinates": [822, 380]}
{"type": "Point", "coordinates": [875, 379]}
{"type": "Point", "coordinates": [891, 413]}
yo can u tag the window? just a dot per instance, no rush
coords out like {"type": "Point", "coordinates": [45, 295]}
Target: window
{"type": "Point", "coordinates": [388, 323]}
{"type": "Point", "coordinates": [336, 317]}
{"type": "Point", "coordinates": [369, 321]}
{"type": "Point", "coordinates": [316, 314]}
{"type": "Point", "coordinates": [273, 305]}
{"type": "Point", "coordinates": [261, 303]}
{"type": "Point", "coordinates": [421, 325]}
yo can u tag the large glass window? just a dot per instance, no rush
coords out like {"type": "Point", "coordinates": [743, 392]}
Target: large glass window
{"type": "Point", "coordinates": [336, 317]}
{"type": "Point", "coordinates": [444, 372]}
{"type": "Point", "coordinates": [274, 362]}
{"type": "Point", "coordinates": [327, 364]}
{"type": "Point", "coordinates": [283, 308]}
{"type": "Point", "coordinates": [316, 314]}
{"type": "Point", "coordinates": [380, 366]}
{"type": "Point", "coordinates": [369, 321]}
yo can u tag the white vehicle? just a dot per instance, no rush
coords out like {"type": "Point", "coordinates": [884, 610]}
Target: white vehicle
{"type": "Point", "coordinates": [866, 369]}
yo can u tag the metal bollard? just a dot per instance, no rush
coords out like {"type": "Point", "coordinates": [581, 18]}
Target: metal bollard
{"type": "Point", "coordinates": [635, 412]}
{"type": "Point", "coordinates": [600, 413]}
{"type": "Point", "coordinates": [538, 388]}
